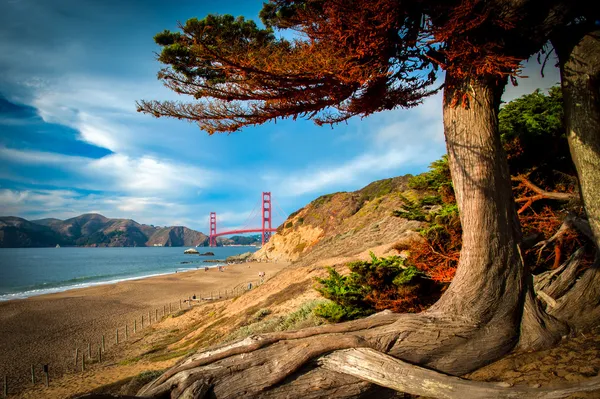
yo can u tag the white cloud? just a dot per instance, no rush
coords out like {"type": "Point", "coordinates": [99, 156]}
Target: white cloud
{"type": "Point", "coordinates": [120, 173]}
{"type": "Point", "coordinates": [41, 158]}
{"type": "Point", "coordinates": [96, 131]}
{"type": "Point", "coordinates": [148, 174]}
{"type": "Point", "coordinates": [397, 139]}
{"type": "Point", "coordinates": [64, 204]}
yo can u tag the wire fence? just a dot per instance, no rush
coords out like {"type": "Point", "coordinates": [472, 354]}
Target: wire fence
{"type": "Point", "coordinates": [95, 353]}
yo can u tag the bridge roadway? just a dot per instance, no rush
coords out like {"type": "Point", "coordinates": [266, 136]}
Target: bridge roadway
{"type": "Point", "coordinates": [257, 230]}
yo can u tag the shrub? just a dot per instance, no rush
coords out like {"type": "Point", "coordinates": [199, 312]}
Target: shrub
{"type": "Point", "coordinates": [378, 284]}
{"type": "Point", "coordinates": [436, 178]}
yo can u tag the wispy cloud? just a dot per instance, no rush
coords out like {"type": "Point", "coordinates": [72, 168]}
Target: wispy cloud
{"type": "Point", "coordinates": [120, 173]}
{"type": "Point", "coordinates": [64, 204]}
{"type": "Point", "coordinates": [396, 140]}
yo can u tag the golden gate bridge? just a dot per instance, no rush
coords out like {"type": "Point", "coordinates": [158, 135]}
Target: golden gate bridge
{"type": "Point", "coordinates": [266, 228]}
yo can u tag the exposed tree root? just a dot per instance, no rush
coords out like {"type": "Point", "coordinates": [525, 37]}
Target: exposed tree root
{"type": "Point", "coordinates": [390, 372]}
{"type": "Point", "coordinates": [257, 342]}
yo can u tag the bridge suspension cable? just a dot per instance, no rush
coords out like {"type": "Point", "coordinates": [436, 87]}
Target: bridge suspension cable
{"type": "Point", "coordinates": [266, 228]}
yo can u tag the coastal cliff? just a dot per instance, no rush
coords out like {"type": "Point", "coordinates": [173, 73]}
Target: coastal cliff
{"type": "Point", "coordinates": [343, 224]}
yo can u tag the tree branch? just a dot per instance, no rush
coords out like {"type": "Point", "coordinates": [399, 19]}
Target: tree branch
{"type": "Point", "coordinates": [540, 194]}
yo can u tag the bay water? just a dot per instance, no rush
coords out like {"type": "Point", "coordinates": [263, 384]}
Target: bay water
{"type": "Point", "coordinates": [26, 272]}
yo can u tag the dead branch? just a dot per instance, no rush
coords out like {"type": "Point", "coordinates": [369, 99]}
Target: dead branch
{"type": "Point", "coordinates": [540, 194]}
{"type": "Point", "coordinates": [384, 370]}
{"type": "Point", "coordinates": [546, 298]}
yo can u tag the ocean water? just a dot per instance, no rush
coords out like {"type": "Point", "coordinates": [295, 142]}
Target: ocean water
{"type": "Point", "coordinates": [26, 272]}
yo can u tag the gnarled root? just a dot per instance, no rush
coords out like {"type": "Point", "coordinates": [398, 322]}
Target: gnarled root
{"type": "Point", "coordinates": [273, 365]}
{"type": "Point", "coordinates": [390, 372]}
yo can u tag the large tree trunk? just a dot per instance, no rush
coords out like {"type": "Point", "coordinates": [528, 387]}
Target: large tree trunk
{"type": "Point", "coordinates": [579, 59]}
{"type": "Point", "coordinates": [475, 322]}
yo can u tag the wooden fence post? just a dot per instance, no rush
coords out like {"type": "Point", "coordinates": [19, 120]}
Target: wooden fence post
{"type": "Point", "coordinates": [126, 332]}
{"type": "Point", "coordinates": [142, 321]}
{"type": "Point", "coordinates": [156, 317]}
{"type": "Point", "coordinates": [89, 351]}
{"type": "Point", "coordinates": [76, 357]}
{"type": "Point", "coordinates": [117, 335]}
{"type": "Point", "coordinates": [134, 326]}
{"type": "Point", "coordinates": [170, 309]}
{"type": "Point", "coordinates": [99, 355]}
{"type": "Point", "coordinates": [46, 378]}
{"type": "Point", "coordinates": [180, 304]}
{"type": "Point", "coordinates": [33, 374]}
{"type": "Point", "coordinates": [82, 362]}
{"type": "Point", "coordinates": [149, 319]}
{"type": "Point", "coordinates": [103, 349]}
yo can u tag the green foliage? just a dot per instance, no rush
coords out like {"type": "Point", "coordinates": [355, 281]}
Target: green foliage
{"type": "Point", "coordinates": [323, 199]}
{"type": "Point", "coordinates": [436, 178]}
{"type": "Point", "coordinates": [260, 323]}
{"type": "Point", "coordinates": [294, 213]}
{"type": "Point", "coordinates": [375, 190]}
{"type": "Point", "coordinates": [178, 50]}
{"type": "Point", "coordinates": [261, 314]}
{"type": "Point", "coordinates": [370, 286]}
{"type": "Point", "coordinates": [406, 276]}
{"type": "Point", "coordinates": [412, 210]}
{"type": "Point", "coordinates": [533, 132]}
{"type": "Point", "coordinates": [344, 290]}
{"type": "Point", "coordinates": [336, 313]}
{"type": "Point", "coordinates": [431, 200]}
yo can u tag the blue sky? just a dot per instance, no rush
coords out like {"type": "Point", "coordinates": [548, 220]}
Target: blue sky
{"type": "Point", "coordinates": [71, 141]}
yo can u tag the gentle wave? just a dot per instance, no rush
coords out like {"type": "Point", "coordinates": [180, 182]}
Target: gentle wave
{"type": "Point", "coordinates": [62, 286]}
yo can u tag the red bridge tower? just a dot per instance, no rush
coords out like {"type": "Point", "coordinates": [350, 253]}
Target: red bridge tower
{"type": "Point", "coordinates": [266, 229]}
{"type": "Point", "coordinates": [212, 238]}
{"type": "Point", "coordinates": [266, 217]}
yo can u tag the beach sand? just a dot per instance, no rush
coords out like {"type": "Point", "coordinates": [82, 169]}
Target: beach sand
{"type": "Point", "coordinates": [46, 329]}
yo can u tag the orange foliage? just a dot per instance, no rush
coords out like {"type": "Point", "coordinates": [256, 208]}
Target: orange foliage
{"type": "Point", "coordinates": [402, 300]}
{"type": "Point", "coordinates": [547, 222]}
{"type": "Point", "coordinates": [438, 256]}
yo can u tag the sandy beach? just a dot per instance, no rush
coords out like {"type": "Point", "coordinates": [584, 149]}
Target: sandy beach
{"type": "Point", "coordinates": [46, 329]}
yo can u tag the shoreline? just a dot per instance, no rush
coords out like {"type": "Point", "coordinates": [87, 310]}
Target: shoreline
{"type": "Point", "coordinates": [64, 288]}
{"type": "Point", "coordinates": [46, 329]}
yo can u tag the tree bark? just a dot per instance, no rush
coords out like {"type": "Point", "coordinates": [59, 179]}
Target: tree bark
{"type": "Point", "coordinates": [579, 59]}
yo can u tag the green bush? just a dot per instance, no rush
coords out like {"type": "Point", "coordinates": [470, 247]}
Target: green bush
{"type": "Point", "coordinates": [411, 210]}
{"type": "Point", "coordinates": [370, 286]}
{"type": "Point", "coordinates": [437, 177]}
{"type": "Point", "coordinates": [336, 313]}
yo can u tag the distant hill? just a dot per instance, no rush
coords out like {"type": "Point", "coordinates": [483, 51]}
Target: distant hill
{"type": "Point", "coordinates": [16, 232]}
{"type": "Point", "coordinates": [93, 230]}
